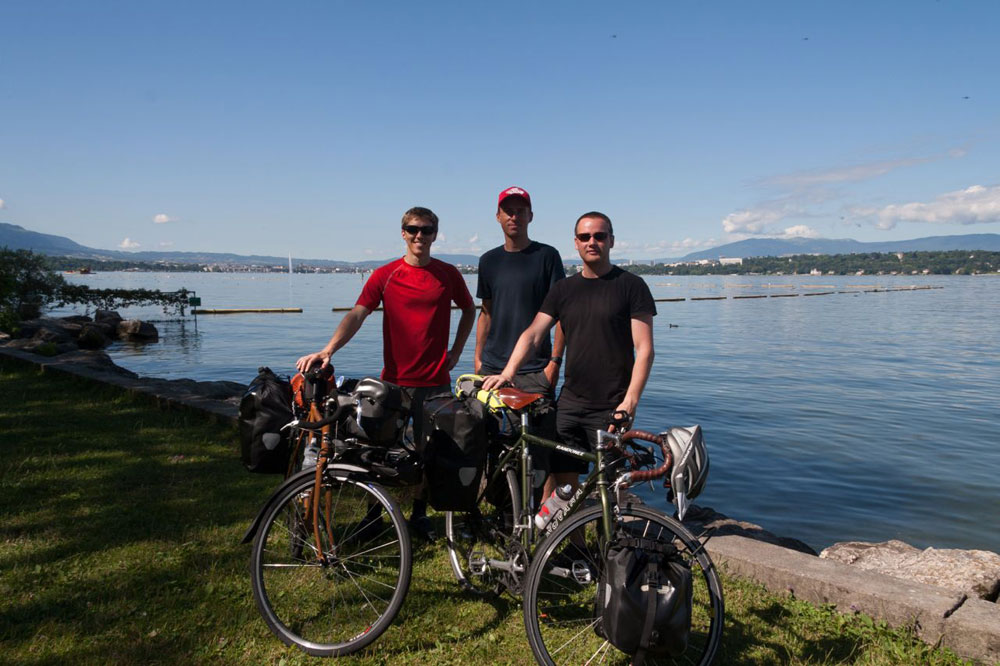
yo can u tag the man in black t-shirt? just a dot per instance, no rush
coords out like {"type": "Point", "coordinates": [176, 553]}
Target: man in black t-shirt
{"type": "Point", "coordinates": [607, 317]}
{"type": "Point", "coordinates": [513, 281]}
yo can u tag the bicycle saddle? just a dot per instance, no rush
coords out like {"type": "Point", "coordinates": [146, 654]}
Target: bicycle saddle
{"type": "Point", "coordinates": [517, 399]}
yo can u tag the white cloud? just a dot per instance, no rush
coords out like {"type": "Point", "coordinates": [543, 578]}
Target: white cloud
{"type": "Point", "coordinates": [165, 244]}
{"type": "Point", "coordinates": [802, 194]}
{"type": "Point", "coordinates": [2, 204]}
{"type": "Point", "coordinates": [973, 205]}
{"type": "Point", "coordinates": [800, 231]}
{"type": "Point", "coordinates": [751, 221]}
{"type": "Point", "coordinates": [163, 218]}
{"type": "Point", "coordinates": [128, 244]}
{"type": "Point", "coordinates": [474, 239]}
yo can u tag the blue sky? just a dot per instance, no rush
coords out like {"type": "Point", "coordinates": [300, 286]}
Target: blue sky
{"type": "Point", "coordinates": [310, 127]}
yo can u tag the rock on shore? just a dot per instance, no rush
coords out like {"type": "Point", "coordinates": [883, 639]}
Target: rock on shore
{"type": "Point", "coordinates": [972, 572]}
{"type": "Point", "coordinates": [51, 336]}
{"type": "Point", "coordinates": [702, 518]}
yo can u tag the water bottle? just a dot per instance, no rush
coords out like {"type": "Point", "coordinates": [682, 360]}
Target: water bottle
{"type": "Point", "coordinates": [310, 454]}
{"type": "Point", "coordinates": [556, 502]}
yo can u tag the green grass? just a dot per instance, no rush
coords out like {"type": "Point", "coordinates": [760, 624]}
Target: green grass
{"type": "Point", "coordinates": [120, 530]}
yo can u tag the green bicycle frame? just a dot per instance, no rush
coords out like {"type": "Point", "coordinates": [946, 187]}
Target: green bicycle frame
{"type": "Point", "coordinates": [596, 479]}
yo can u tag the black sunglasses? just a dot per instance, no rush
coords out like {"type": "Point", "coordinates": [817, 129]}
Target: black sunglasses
{"type": "Point", "coordinates": [599, 236]}
{"type": "Point", "coordinates": [414, 229]}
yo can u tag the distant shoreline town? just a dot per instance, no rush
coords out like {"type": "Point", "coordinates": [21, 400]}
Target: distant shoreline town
{"type": "Point", "coordinates": [967, 254]}
{"type": "Point", "coordinates": [953, 262]}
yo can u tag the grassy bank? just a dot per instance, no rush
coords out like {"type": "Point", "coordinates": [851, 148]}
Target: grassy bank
{"type": "Point", "coordinates": [119, 543]}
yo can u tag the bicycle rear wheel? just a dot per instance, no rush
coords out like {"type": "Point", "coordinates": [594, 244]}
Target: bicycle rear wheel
{"type": "Point", "coordinates": [561, 590]}
{"type": "Point", "coordinates": [337, 598]}
{"type": "Point", "coordinates": [484, 555]}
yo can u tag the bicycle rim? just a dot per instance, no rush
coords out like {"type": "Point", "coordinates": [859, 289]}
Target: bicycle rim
{"type": "Point", "coordinates": [338, 598]}
{"type": "Point", "coordinates": [561, 591]}
{"type": "Point", "coordinates": [481, 542]}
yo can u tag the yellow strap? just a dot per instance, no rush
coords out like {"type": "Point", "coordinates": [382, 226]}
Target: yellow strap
{"type": "Point", "coordinates": [464, 386]}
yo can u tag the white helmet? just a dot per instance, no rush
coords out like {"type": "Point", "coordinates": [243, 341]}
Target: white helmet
{"type": "Point", "coordinates": [690, 465]}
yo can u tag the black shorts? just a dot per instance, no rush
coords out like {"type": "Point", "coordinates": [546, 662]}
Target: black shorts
{"type": "Point", "coordinates": [577, 426]}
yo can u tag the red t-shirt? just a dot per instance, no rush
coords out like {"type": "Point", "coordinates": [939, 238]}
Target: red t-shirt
{"type": "Point", "coordinates": [416, 318]}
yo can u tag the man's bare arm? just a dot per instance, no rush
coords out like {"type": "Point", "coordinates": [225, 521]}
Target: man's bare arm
{"type": "Point", "coordinates": [525, 347]}
{"type": "Point", "coordinates": [642, 338]}
{"type": "Point", "coordinates": [558, 347]}
{"type": "Point", "coordinates": [461, 335]}
{"type": "Point", "coordinates": [483, 324]}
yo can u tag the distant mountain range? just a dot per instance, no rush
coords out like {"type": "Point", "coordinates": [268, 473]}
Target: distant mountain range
{"type": "Point", "coordinates": [18, 238]}
{"type": "Point", "coordinates": [777, 247]}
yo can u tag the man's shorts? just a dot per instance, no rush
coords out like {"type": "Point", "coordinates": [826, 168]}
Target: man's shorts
{"type": "Point", "coordinates": [577, 426]}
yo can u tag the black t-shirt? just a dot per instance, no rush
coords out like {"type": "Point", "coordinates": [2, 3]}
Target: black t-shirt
{"type": "Point", "coordinates": [516, 283]}
{"type": "Point", "coordinates": [596, 316]}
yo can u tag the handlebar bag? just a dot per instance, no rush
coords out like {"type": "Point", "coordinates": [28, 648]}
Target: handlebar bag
{"type": "Point", "coordinates": [265, 409]}
{"type": "Point", "coordinates": [455, 454]}
{"type": "Point", "coordinates": [644, 598]}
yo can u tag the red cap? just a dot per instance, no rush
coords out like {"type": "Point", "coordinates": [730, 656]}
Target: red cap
{"type": "Point", "coordinates": [514, 192]}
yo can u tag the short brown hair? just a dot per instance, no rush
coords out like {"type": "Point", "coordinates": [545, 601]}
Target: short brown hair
{"type": "Point", "coordinates": [600, 216]}
{"type": "Point", "coordinates": [420, 213]}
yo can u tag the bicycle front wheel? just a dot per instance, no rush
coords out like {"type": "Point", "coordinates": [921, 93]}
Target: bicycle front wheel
{"type": "Point", "coordinates": [561, 590]}
{"type": "Point", "coordinates": [331, 586]}
{"type": "Point", "coordinates": [484, 553]}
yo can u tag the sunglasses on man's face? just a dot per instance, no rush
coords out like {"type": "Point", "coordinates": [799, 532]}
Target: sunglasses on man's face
{"type": "Point", "coordinates": [599, 236]}
{"type": "Point", "coordinates": [414, 229]}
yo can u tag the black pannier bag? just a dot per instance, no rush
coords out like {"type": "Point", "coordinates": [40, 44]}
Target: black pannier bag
{"type": "Point", "coordinates": [384, 410]}
{"type": "Point", "coordinates": [644, 598]}
{"type": "Point", "coordinates": [265, 409]}
{"type": "Point", "coordinates": [455, 453]}
{"type": "Point", "coordinates": [392, 466]}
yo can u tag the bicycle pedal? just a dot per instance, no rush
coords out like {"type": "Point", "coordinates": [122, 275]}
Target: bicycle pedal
{"type": "Point", "coordinates": [477, 563]}
{"type": "Point", "coordinates": [582, 573]}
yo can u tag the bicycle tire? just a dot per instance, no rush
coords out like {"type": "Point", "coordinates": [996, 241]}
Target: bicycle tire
{"type": "Point", "coordinates": [559, 601]}
{"type": "Point", "coordinates": [487, 532]}
{"type": "Point", "coordinates": [338, 607]}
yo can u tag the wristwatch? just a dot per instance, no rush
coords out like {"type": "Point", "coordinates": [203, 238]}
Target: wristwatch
{"type": "Point", "coordinates": [556, 359]}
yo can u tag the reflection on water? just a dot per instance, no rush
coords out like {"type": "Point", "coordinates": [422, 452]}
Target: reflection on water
{"type": "Point", "coordinates": [861, 415]}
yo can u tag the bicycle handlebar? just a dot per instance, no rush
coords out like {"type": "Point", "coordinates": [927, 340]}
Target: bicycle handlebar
{"type": "Point", "coordinates": [638, 476]}
{"type": "Point", "coordinates": [316, 425]}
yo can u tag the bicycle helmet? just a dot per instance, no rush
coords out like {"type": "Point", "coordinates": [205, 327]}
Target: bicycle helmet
{"type": "Point", "coordinates": [690, 465]}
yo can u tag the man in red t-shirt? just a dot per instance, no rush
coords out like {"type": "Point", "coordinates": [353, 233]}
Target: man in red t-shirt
{"type": "Point", "coordinates": [416, 293]}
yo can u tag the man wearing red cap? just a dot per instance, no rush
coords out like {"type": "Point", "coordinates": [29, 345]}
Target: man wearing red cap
{"type": "Point", "coordinates": [513, 282]}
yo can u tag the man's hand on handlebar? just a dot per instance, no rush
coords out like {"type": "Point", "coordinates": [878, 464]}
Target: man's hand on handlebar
{"type": "Point", "coordinates": [309, 360]}
{"type": "Point", "coordinates": [621, 419]}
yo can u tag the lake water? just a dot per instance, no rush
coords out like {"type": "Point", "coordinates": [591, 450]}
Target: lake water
{"type": "Point", "coordinates": [866, 415]}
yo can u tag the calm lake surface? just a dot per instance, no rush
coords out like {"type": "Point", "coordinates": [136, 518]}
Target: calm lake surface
{"type": "Point", "coordinates": [853, 415]}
